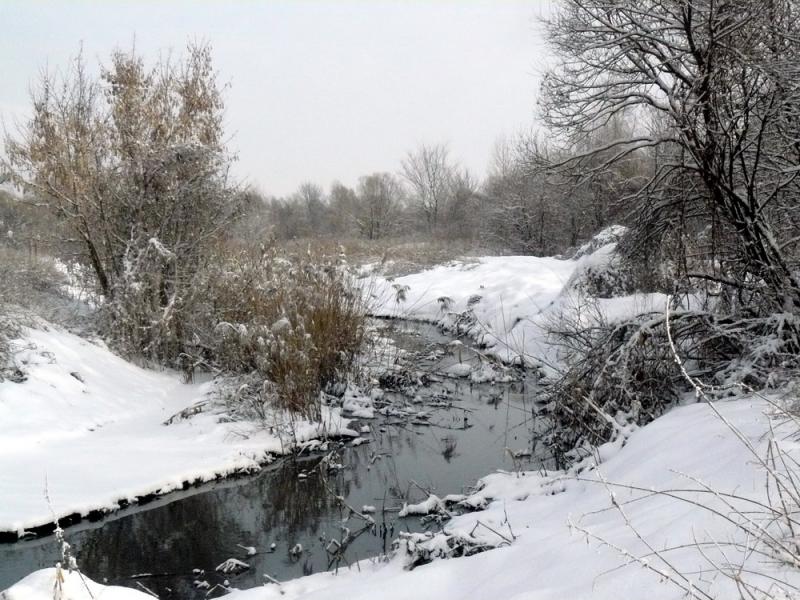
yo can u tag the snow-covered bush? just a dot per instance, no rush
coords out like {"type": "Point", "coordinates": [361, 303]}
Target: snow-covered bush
{"type": "Point", "coordinates": [616, 373]}
{"type": "Point", "coordinates": [623, 371]}
{"type": "Point", "coordinates": [603, 271]}
{"type": "Point", "coordinates": [610, 235]}
{"type": "Point", "coordinates": [147, 312]}
{"type": "Point", "coordinates": [602, 274]}
{"type": "Point", "coordinates": [288, 325]}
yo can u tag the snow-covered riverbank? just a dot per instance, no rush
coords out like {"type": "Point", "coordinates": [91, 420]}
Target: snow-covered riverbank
{"type": "Point", "coordinates": [500, 301]}
{"type": "Point", "coordinates": [507, 303]}
{"type": "Point", "coordinates": [550, 557]}
{"type": "Point", "coordinates": [85, 431]}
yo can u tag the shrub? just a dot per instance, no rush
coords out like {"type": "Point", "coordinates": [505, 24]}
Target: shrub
{"type": "Point", "coordinates": [295, 320]}
{"type": "Point", "coordinates": [624, 372]}
{"type": "Point", "coordinates": [615, 374]}
{"type": "Point", "coordinates": [291, 324]}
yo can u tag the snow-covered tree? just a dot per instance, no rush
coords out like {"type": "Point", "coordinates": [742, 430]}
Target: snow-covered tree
{"type": "Point", "coordinates": [712, 87]}
{"type": "Point", "coordinates": [134, 163]}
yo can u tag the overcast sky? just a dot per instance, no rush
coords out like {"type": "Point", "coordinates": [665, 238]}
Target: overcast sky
{"type": "Point", "coordinates": [321, 90]}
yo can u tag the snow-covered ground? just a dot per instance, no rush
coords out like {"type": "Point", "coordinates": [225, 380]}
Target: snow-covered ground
{"type": "Point", "coordinates": [504, 295]}
{"type": "Point", "coordinates": [506, 303]}
{"type": "Point", "coordinates": [86, 430]}
{"type": "Point", "coordinates": [48, 584]}
{"type": "Point", "coordinates": [550, 557]}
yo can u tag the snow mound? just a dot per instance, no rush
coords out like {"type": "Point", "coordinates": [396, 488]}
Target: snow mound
{"type": "Point", "coordinates": [610, 235]}
{"type": "Point", "coordinates": [460, 369]}
{"type": "Point", "coordinates": [602, 274]}
{"type": "Point", "coordinates": [357, 405]}
{"type": "Point", "coordinates": [433, 504]}
{"type": "Point", "coordinates": [41, 585]}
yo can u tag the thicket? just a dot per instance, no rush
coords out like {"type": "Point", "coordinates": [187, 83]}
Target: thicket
{"type": "Point", "coordinates": [712, 204]}
{"type": "Point", "coordinates": [132, 166]}
{"type": "Point", "coordinates": [292, 324]}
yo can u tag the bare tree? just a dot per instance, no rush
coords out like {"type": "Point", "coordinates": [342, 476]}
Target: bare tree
{"type": "Point", "coordinates": [711, 83]}
{"type": "Point", "coordinates": [343, 205]}
{"type": "Point", "coordinates": [429, 173]}
{"type": "Point", "coordinates": [503, 158]}
{"type": "Point", "coordinates": [310, 197]}
{"type": "Point", "coordinates": [529, 209]}
{"type": "Point", "coordinates": [379, 198]}
{"type": "Point", "coordinates": [461, 213]}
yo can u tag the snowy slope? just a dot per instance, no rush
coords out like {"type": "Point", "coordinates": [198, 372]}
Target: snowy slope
{"type": "Point", "coordinates": [88, 426]}
{"type": "Point", "coordinates": [506, 303]}
{"type": "Point", "coordinates": [41, 585]}
{"type": "Point", "coordinates": [503, 293]}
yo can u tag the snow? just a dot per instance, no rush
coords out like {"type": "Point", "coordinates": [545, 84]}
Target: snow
{"type": "Point", "coordinates": [609, 235]}
{"type": "Point", "coordinates": [249, 550]}
{"type": "Point", "coordinates": [356, 405]}
{"type": "Point", "coordinates": [458, 370]}
{"type": "Point", "coordinates": [512, 291]}
{"type": "Point", "coordinates": [549, 558]}
{"type": "Point", "coordinates": [232, 565]}
{"type": "Point", "coordinates": [86, 429]}
{"type": "Point", "coordinates": [507, 304]}
{"type": "Point", "coordinates": [8, 188]}
{"type": "Point", "coordinates": [41, 585]}
{"type": "Point", "coordinates": [575, 534]}
{"type": "Point", "coordinates": [430, 505]}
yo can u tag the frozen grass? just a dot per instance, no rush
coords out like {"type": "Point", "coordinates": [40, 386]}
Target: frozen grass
{"type": "Point", "coordinates": [394, 257]}
{"type": "Point", "coordinates": [293, 322]}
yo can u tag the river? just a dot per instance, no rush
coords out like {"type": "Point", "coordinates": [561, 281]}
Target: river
{"type": "Point", "coordinates": [440, 437]}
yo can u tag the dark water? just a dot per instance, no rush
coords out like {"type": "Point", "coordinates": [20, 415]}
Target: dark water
{"type": "Point", "coordinates": [176, 541]}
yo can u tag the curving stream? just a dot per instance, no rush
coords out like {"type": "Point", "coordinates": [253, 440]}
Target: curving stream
{"type": "Point", "coordinates": [172, 545]}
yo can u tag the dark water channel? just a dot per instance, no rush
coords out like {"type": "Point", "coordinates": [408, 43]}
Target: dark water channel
{"type": "Point", "coordinates": [174, 544]}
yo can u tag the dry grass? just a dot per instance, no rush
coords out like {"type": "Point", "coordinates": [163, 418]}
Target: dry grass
{"type": "Point", "coordinates": [294, 320]}
{"type": "Point", "coordinates": [25, 278]}
{"type": "Point", "coordinates": [393, 257]}
{"type": "Point", "coordinates": [26, 284]}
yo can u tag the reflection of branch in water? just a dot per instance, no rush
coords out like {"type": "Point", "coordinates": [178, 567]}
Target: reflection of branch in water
{"type": "Point", "coordinates": [450, 443]}
{"type": "Point", "coordinates": [336, 548]}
